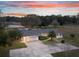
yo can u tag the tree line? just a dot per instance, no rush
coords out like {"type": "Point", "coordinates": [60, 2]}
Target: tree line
{"type": "Point", "coordinates": [36, 20]}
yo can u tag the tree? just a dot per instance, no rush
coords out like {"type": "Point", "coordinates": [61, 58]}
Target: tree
{"type": "Point", "coordinates": [78, 18]}
{"type": "Point", "coordinates": [3, 38]}
{"type": "Point", "coordinates": [14, 35]}
{"type": "Point", "coordinates": [51, 35]}
{"type": "Point", "coordinates": [7, 37]}
{"type": "Point", "coordinates": [60, 20]}
{"type": "Point", "coordinates": [31, 20]}
{"type": "Point", "coordinates": [46, 20]}
{"type": "Point", "coordinates": [74, 20]}
{"type": "Point", "coordinates": [55, 23]}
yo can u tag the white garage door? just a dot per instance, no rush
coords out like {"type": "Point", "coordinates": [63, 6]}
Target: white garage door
{"type": "Point", "coordinates": [30, 38]}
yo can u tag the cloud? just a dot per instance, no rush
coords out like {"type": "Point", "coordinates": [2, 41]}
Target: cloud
{"type": "Point", "coordinates": [38, 4]}
{"type": "Point", "coordinates": [15, 14]}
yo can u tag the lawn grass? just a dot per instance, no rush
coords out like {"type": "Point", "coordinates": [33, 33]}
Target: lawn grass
{"type": "Point", "coordinates": [73, 41]}
{"type": "Point", "coordinates": [71, 53]}
{"type": "Point", "coordinates": [4, 51]}
{"type": "Point", "coordinates": [67, 30]}
{"type": "Point", "coordinates": [46, 40]}
{"type": "Point", "coordinates": [17, 45]}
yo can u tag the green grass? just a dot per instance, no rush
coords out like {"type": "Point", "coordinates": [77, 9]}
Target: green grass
{"type": "Point", "coordinates": [4, 51]}
{"type": "Point", "coordinates": [18, 45]}
{"type": "Point", "coordinates": [67, 30]}
{"type": "Point", "coordinates": [72, 53]}
{"type": "Point", "coordinates": [44, 39]}
{"type": "Point", "coordinates": [73, 41]}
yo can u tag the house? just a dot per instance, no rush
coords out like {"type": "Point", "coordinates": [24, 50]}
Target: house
{"type": "Point", "coordinates": [38, 32]}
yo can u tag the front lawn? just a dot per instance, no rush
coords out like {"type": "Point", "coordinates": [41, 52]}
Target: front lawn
{"type": "Point", "coordinates": [18, 45]}
{"type": "Point", "coordinates": [67, 30]}
{"type": "Point", "coordinates": [72, 53]}
{"type": "Point", "coordinates": [4, 51]}
{"type": "Point", "coordinates": [70, 40]}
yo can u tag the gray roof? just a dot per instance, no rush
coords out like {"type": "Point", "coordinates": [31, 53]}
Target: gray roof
{"type": "Point", "coordinates": [37, 32]}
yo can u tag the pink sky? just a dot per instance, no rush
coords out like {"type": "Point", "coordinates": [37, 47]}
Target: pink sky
{"type": "Point", "coordinates": [40, 7]}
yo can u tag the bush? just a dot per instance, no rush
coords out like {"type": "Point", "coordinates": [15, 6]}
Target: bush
{"type": "Point", "coordinates": [72, 35]}
{"type": "Point", "coordinates": [43, 37]}
{"type": "Point", "coordinates": [62, 41]}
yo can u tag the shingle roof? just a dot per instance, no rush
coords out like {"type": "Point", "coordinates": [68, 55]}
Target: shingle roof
{"type": "Point", "coordinates": [37, 32]}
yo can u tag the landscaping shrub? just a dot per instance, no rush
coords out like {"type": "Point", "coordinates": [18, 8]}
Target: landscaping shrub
{"type": "Point", "coordinates": [43, 37]}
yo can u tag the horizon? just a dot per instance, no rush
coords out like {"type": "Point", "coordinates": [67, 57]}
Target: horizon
{"type": "Point", "coordinates": [42, 8]}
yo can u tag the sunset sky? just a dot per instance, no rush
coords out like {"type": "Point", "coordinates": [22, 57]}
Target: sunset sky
{"type": "Point", "coordinates": [20, 8]}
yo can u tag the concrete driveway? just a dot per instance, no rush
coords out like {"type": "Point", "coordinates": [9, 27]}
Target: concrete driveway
{"type": "Point", "coordinates": [34, 49]}
{"type": "Point", "coordinates": [60, 47]}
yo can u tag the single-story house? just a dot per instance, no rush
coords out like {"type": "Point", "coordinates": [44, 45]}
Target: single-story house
{"type": "Point", "coordinates": [38, 32]}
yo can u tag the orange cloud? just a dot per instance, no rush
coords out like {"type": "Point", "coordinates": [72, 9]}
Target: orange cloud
{"type": "Point", "coordinates": [15, 14]}
{"type": "Point", "coordinates": [42, 4]}
{"type": "Point", "coordinates": [55, 5]}
{"type": "Point", "coordinates": [49, 5]}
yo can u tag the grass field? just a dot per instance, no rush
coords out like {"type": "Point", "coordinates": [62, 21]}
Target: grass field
{"type": "Point", "coordinates": [4, 51]}
{"type": "Point", "coordinates": [72, 53]}
{"type": "Point", "coordinates": [67, 30]}
{"type": "Point", "coordinates": [73, 41]}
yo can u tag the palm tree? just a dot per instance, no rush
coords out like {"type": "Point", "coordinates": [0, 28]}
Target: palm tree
{"type": "Point", "coordinates": [52, 35]}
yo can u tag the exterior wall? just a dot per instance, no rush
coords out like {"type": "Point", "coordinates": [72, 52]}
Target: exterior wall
{"type": "Point", "coordinates": [59, 35]}
{"type": "Point", "coordinates": [44, 34]}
